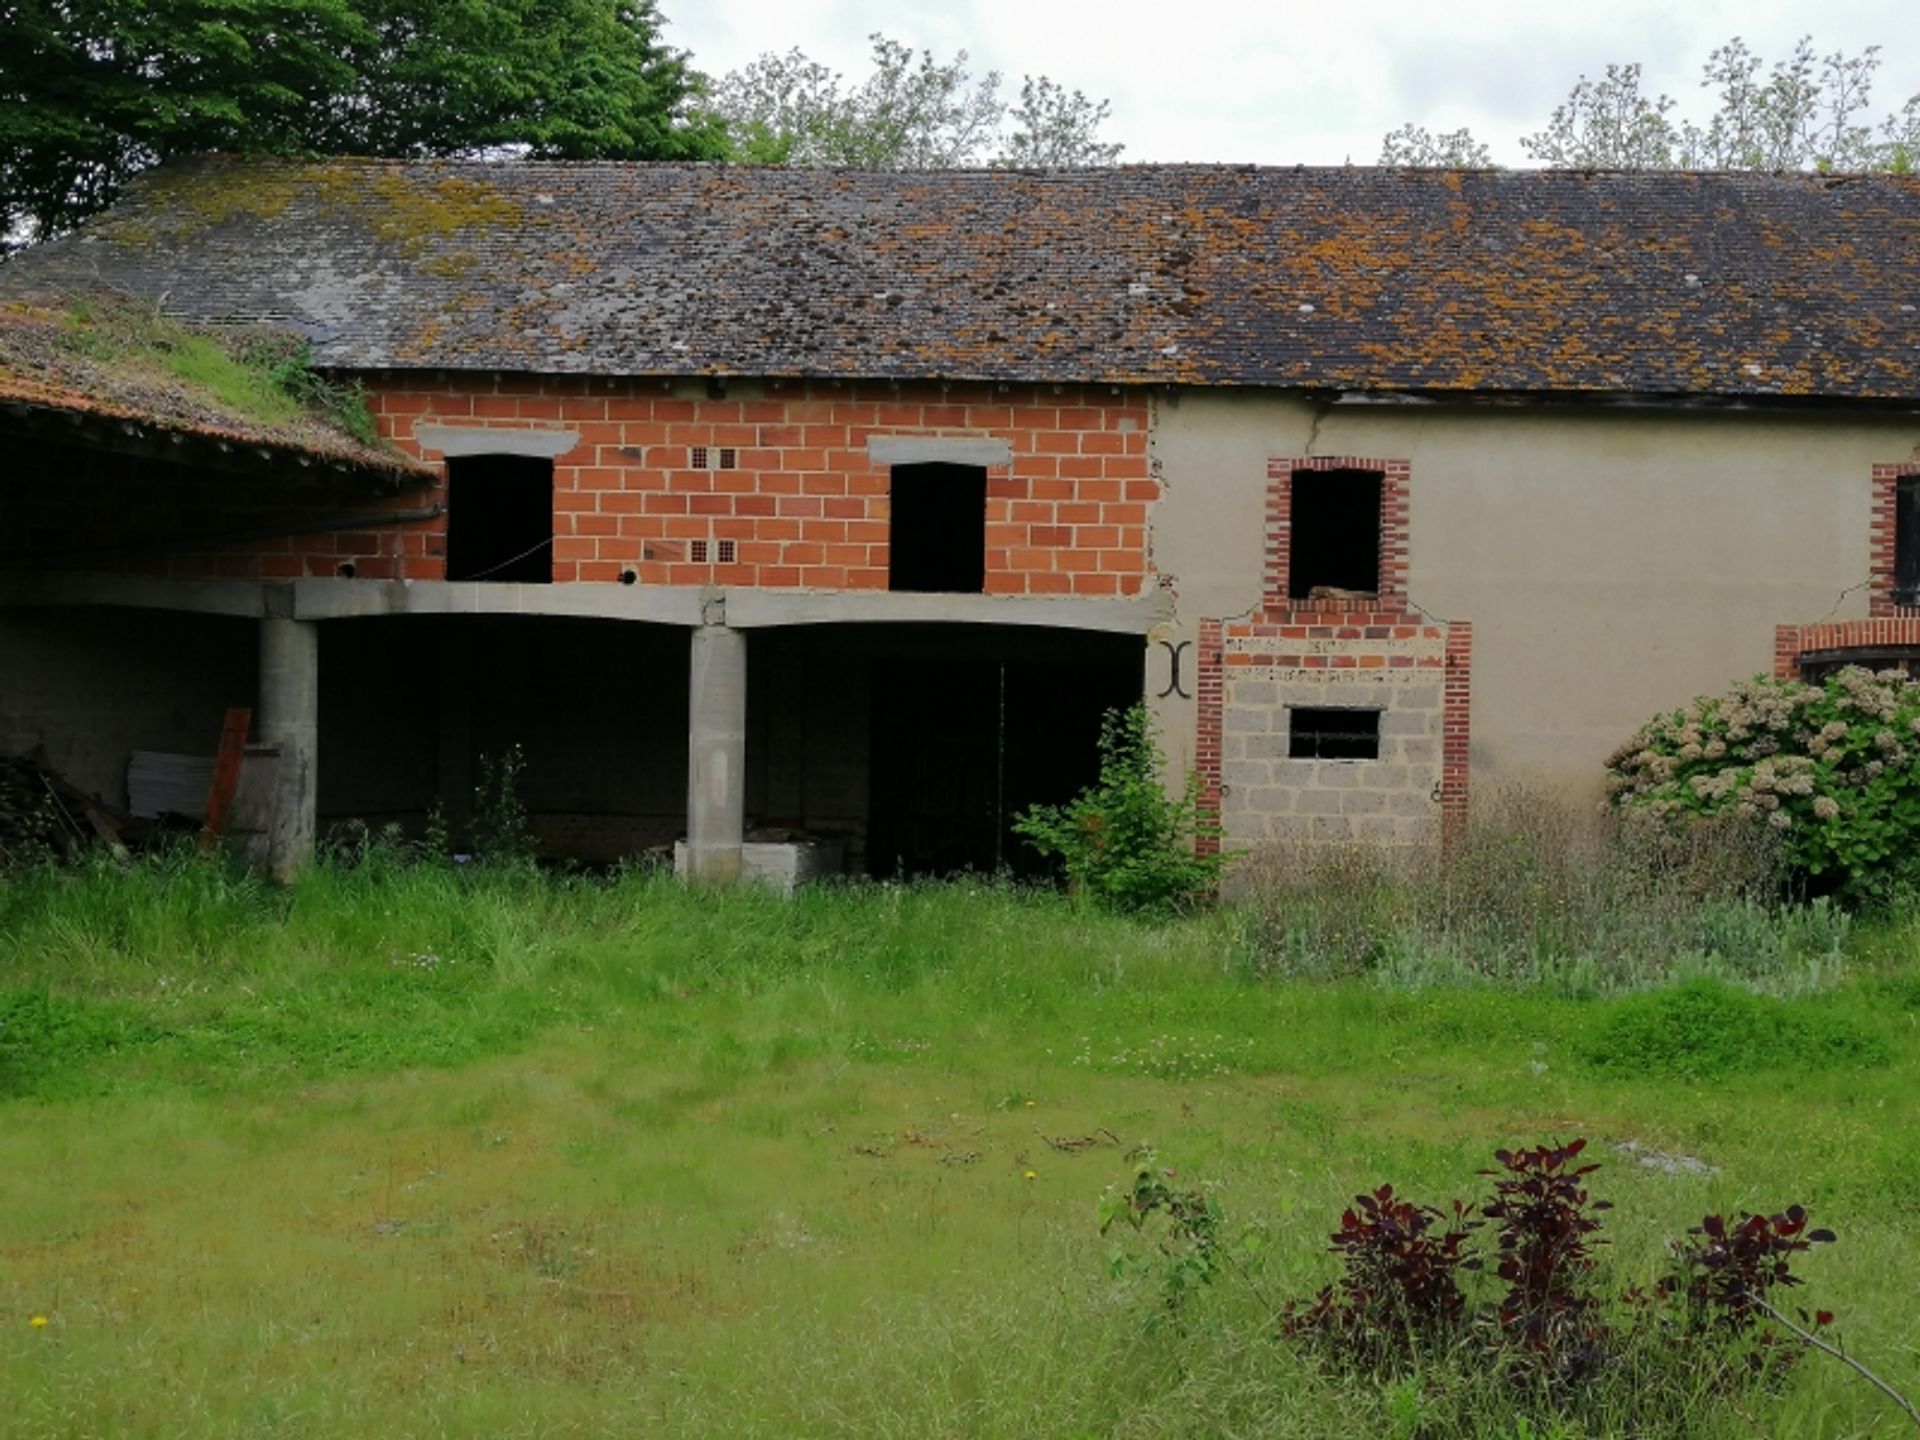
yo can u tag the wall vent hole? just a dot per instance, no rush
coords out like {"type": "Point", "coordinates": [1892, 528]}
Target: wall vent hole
{"type": "Point", "coordinates": [697, 552]}
{"type": "Point", "coordinates": [699, 457]}
{"type": "Point", "coordinates": [729, 458]}
{"type": "Point", "coordinates": [1333, 734]}
{"type": "Point", "coordinates": [725, 548]}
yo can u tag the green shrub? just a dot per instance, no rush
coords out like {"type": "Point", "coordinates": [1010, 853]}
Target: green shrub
{"type": "Point", "coordinates": [1705, 1029]}
{"type": "Point", "coordinates": [1833, 769]}
{"type": "Point", "coordinates": [1123, 840]}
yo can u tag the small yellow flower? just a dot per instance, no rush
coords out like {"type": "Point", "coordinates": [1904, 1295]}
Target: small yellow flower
{"type": "Point", "coordinates": [1032, 1103]}
{"type": "Point", "coordinates": [1031, 1175]}
{"type": "Point", "coordinates": [38, 1322]}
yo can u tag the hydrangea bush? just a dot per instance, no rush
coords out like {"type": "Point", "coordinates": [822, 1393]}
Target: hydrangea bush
{"type": "Point", "coordinates": [1833, 768]}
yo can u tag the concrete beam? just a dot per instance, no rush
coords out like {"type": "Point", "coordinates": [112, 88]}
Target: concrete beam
{"type": "Point", "coordinates": [684, 605]}
{"type": "Point", "coordinates": [1121, 615]}
{"type": "Point", "coordinates": [983, 451]}
{"type": "Point", "coordinates": [289, 718]}
{"type": "Point", "coordinates": [325, 599]}
{"type": "Point", "coordinates": [716, 754]}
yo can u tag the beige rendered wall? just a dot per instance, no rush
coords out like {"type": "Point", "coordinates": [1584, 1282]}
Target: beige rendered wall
{"type": "Point", "coordinates": [1613, 562]}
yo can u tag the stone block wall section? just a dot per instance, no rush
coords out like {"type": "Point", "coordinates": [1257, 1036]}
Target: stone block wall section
{"type": "Point", "coordinates": [806, 505]}
{"type": "Point", "coordinates": [1415, 672]}
{"type": "Point", "coordinates": [1371, 652]}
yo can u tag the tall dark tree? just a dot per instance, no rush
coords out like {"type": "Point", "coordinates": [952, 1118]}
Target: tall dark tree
{"type": "Point", "coordinates": [92, 91]}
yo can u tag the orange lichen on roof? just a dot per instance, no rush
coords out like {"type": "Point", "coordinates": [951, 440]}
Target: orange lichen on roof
{"type": "Point", "coordinates": [1512, 281]}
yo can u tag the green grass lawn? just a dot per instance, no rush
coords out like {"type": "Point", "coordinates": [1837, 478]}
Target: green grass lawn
{"type": "Point", "coordinates": [413, 1154]}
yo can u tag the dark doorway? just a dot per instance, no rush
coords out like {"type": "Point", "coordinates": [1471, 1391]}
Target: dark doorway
{"type": "Point", "coordinates": [962, 743]}
{"type": "Point", "coordinates": [500, 518]}
{"type": "Point", "coordinates": [938, 532]}
{"type": "Point", "coordinates": [1335, 532]}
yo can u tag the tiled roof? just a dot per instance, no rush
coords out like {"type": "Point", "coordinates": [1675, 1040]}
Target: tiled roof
{"type": "Point", "coordinates": [61, 361]}
{"type": "Point", "coordinates": [1663, 284]}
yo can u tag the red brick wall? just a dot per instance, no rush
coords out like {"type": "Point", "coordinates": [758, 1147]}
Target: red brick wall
{"type": "Point", "coordinates": [806, 507]}
{"type": "Point", "coordinates": [1886, 480]}
{"type": "Point", "coordinates": [1394, 475]}
{"type": "Point", "coordinates": [1790, 642]}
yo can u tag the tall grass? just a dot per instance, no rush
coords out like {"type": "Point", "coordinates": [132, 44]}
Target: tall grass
{"type": "Point", "coordinates": [1537, 896]}
{"type": "Point", "coordinates": [416, 1149]}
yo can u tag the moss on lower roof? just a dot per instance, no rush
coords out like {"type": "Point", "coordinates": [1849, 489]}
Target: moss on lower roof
{"type": "Point", "coordinates": [115, 357]}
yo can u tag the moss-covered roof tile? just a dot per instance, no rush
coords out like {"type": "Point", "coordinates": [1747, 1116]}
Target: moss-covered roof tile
{"type": "Point", "coordinates": [1719, 285]}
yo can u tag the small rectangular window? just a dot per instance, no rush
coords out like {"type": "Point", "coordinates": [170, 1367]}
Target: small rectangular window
{"type": "Point", "coordinates": [937, 530]}
{"type": "Point", "coordinates": [1906, 540]}
{"type": "Point", "coordinates": [1333, 734]}
{"type": "Point", "coordinates": [500, 518]}
{"type": "Point", "coordinates": [1334, 536]}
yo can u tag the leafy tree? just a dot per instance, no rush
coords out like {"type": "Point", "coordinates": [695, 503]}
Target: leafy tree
{"type": "Point", "coordinates": [1607, 124]}
{"type": "Point", "coordinates": [92, 91]}
{"type": "Point", "coordinates": [1411, 145]}
{"type": "Point", "coordinates": [912, 112]}
{"type": "Point", "coordinates": [1809, 112]}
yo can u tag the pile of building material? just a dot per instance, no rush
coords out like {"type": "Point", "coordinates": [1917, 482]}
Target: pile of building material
{"type": "Point", "coordinates": [40, 813]}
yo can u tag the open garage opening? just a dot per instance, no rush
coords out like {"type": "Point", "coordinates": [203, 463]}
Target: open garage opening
{"type": "Point", "coordinates": [414, 710]}
{"type": "Point", "coordinates": [916, 746]}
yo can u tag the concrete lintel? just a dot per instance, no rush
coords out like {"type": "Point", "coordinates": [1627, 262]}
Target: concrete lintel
{"type": "Point", "coordinates": [326, 599]}
{"type": "Point", "coordinates": [137, 592]}
{"type": "Point", "coordinates": [939, 450]}
{"type": "Point", "coordinates": [684, 605]}
{"type": "Point", "coordinates": [453, 441]}
{"type": "Point", "coordinates": [1126, 615]}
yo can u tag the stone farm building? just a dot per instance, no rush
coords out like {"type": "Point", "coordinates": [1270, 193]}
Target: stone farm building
{"type": "Point", "coordinates": [770, 502]}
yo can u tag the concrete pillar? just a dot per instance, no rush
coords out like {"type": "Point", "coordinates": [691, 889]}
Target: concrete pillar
{"type": "Point", "coordinates": [716, 754]}
{"type": "Point", "coordinates": [289, 717]}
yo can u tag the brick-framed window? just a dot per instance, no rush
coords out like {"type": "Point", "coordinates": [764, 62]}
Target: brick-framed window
{"type": "Point", "coordinates": [1894, 562]}
{"type": "Point", "coordinates": [1343, 491]}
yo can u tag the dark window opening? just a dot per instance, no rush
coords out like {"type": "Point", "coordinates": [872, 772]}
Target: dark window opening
{"type": "Point", "coordinates": [1906, 540]}
{"type": "Point", "coordinates": [1334, 541]}
{"type": "Point", "coordinates": [1817, 665]}
{"type": "Point", "coordinates": [1345, 734]}
{"type": "Point", "coordinates": [938, 531]}
{"type": "Point", "coordinates": [500, 518]}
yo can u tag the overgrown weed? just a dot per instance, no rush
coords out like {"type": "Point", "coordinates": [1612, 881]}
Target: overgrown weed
{"type": "Point", "coordinates": [1538, 896]}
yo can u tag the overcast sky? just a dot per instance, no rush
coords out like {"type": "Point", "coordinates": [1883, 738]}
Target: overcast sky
{"type": "Point", "coordinates": [1287, 83]}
